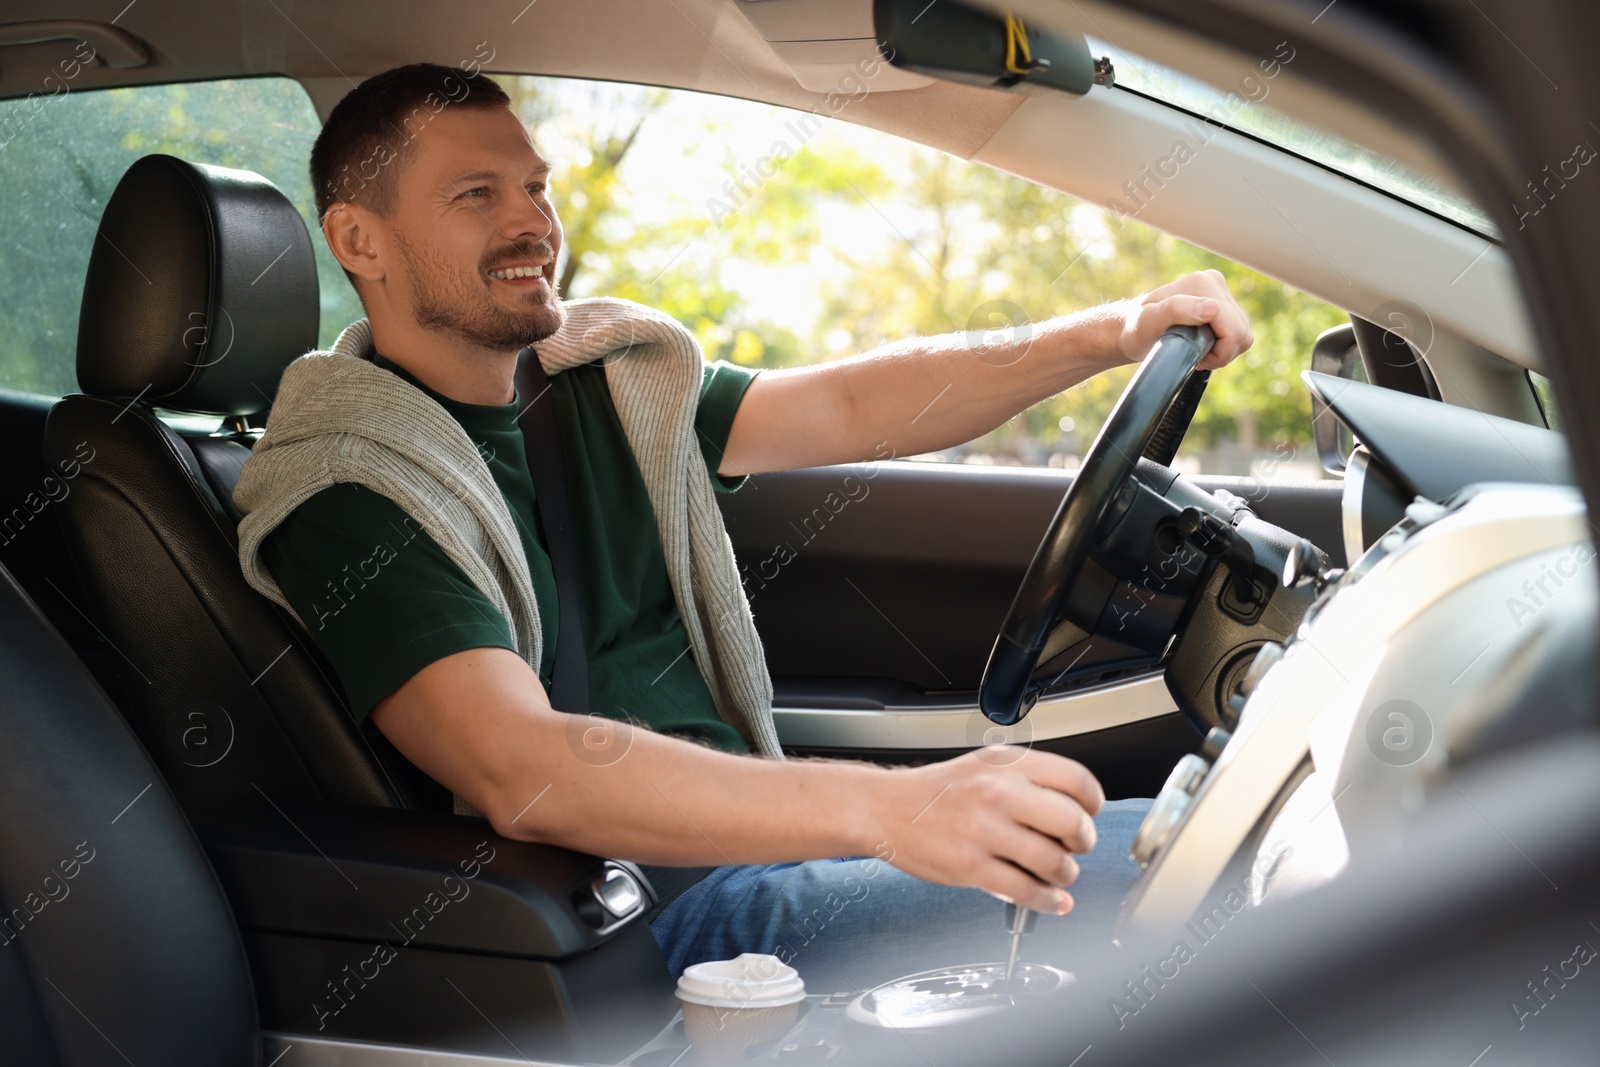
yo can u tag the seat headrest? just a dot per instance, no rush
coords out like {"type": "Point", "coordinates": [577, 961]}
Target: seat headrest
{"type": "Point", "coordinates": [201, 289]}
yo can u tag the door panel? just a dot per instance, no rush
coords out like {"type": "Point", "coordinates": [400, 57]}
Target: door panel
{"type": "Point", "coordinates": [1085, 710]}
{"type": "Point", "coordinates": [1127, 731]}
{"type": "Point", "coordinates": [890, 580]}
{"type": "Point", "coordinates": [1131, 760]}
{"type": "Point", "coordinates": [878, 589]}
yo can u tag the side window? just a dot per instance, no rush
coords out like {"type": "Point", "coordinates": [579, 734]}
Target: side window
{"type": "Point", "coordinates": [784, 237]}
{"type": "Point", "coordinates": [1544, 394]}
{"type": "Point", "coordinates": [60, 158]}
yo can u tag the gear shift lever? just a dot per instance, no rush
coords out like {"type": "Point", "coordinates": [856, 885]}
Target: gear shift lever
{"type": "Point", "coordinates": [1019, 921]}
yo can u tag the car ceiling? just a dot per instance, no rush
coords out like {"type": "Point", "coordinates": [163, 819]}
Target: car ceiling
{"type": "Point", "coordinates": [705, 45]}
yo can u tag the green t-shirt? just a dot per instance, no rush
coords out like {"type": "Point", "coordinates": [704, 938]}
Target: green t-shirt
{"type": "Point", "coordinates": [383, 600]}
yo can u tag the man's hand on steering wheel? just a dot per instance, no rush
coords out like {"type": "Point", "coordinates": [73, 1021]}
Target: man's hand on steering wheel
{"type": "Point", "coordinates": [1193, 300]}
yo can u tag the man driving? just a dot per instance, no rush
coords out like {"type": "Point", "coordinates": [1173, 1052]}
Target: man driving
{"type": "Point", "coordinates": [390, 506]}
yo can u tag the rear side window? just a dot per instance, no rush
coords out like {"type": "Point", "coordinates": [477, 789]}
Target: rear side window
{"type": "Point", "coordinates": [62, 155]}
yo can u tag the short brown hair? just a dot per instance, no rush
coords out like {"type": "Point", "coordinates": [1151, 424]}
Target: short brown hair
{"type": "Point", "coordinates": [358, 154]}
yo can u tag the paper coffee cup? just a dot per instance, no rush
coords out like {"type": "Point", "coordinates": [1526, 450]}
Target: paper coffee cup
{"type": "Point", "coordinates": [729, 1005]}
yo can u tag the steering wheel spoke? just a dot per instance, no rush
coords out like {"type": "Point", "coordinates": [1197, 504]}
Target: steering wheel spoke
{"type": "Point", "coordinates": [1007, 692]}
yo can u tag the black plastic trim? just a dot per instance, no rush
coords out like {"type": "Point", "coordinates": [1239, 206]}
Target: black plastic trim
{"type": "Point", "coordinates": [1433, 449]}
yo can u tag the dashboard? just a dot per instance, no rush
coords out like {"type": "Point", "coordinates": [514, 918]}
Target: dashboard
{"type": "Point", "coordinates": [1400, 663]}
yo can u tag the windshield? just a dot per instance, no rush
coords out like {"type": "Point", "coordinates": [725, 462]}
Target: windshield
{"type": "Point", "coordinates": [1242, 110]}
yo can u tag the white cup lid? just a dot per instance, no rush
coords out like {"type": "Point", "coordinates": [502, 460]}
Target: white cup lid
{"type": "Point", "coordinates": [750, 980]}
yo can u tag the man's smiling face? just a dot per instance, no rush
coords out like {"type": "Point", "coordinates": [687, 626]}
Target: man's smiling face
{"type": "Point", "coordinates": [474, 231]}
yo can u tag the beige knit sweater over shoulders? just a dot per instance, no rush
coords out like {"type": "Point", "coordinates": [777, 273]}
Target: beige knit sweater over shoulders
{"type": "Point", "coordinates": [339, 418]}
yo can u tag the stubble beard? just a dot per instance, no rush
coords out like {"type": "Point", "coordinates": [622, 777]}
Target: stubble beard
{"type": "Point", "coordinates": [459, 305]}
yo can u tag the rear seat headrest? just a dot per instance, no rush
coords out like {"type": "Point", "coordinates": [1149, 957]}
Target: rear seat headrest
{"type": "Point", "coordinates": [201, 289]}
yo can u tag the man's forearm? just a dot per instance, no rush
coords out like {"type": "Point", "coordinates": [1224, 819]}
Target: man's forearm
{"type": "Point", "coordinates": [1005, 820]}
{"type": "Point", "coordinates": [477, 722]}
{"type": "Point", "coordinates": [913, 396]}
{"type": "Point", "coordinates": [925, 394]}
{"type": "Point", "coordinates": [671, 802]}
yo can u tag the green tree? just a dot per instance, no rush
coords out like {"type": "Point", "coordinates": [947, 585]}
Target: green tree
{"type": "Point", "coordinates": [676, 263]}
{"type": "Point", "coordinates": [989, 238]}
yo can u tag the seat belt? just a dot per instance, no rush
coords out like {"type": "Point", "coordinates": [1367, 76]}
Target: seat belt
{"type": "Point", "coordinates": [541, 437]}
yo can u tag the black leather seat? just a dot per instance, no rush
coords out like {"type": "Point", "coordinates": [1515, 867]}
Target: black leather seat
{"type": "Point", "coordinates": [201, 288]}
{"type": "Point", "coordinates": [116, 942]}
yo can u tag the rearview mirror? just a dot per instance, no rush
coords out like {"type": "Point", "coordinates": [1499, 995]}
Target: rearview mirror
{"type": "Point", "coordinates": [949, 40]}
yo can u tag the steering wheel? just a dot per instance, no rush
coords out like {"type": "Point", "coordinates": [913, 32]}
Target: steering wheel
{"type": "Point", "coordinates": [1127, 433]}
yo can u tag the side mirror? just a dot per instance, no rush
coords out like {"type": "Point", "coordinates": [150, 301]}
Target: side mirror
{"type": "Point", "coordinates": [1335, 354]}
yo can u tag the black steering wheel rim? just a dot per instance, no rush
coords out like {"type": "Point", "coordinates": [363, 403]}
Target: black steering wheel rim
{"type": "Point", "coordinates": [1064, 549]}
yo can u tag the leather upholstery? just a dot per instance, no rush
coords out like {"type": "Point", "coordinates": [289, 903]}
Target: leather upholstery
{"type": "Point", "coordinates": [118, 938]}
{"type": "Point", "coordinates": [201, 288]}
{"type": "Point", "coordinates": [226, 691]}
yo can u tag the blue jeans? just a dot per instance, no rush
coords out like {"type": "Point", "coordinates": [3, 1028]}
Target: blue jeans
{"type": "Point", "coordinates": [852, 923]}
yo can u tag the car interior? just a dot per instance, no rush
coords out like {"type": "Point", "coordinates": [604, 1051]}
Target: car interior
{"type": "Point", "coordinates": [255, 879]}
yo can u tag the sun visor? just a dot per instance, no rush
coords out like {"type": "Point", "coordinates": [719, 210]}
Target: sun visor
{"type": "Point", "coordinates": [830, 46]}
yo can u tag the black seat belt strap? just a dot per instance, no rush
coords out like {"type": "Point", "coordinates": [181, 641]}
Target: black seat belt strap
{"type": "Point", "coordinates": [541, 436]}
